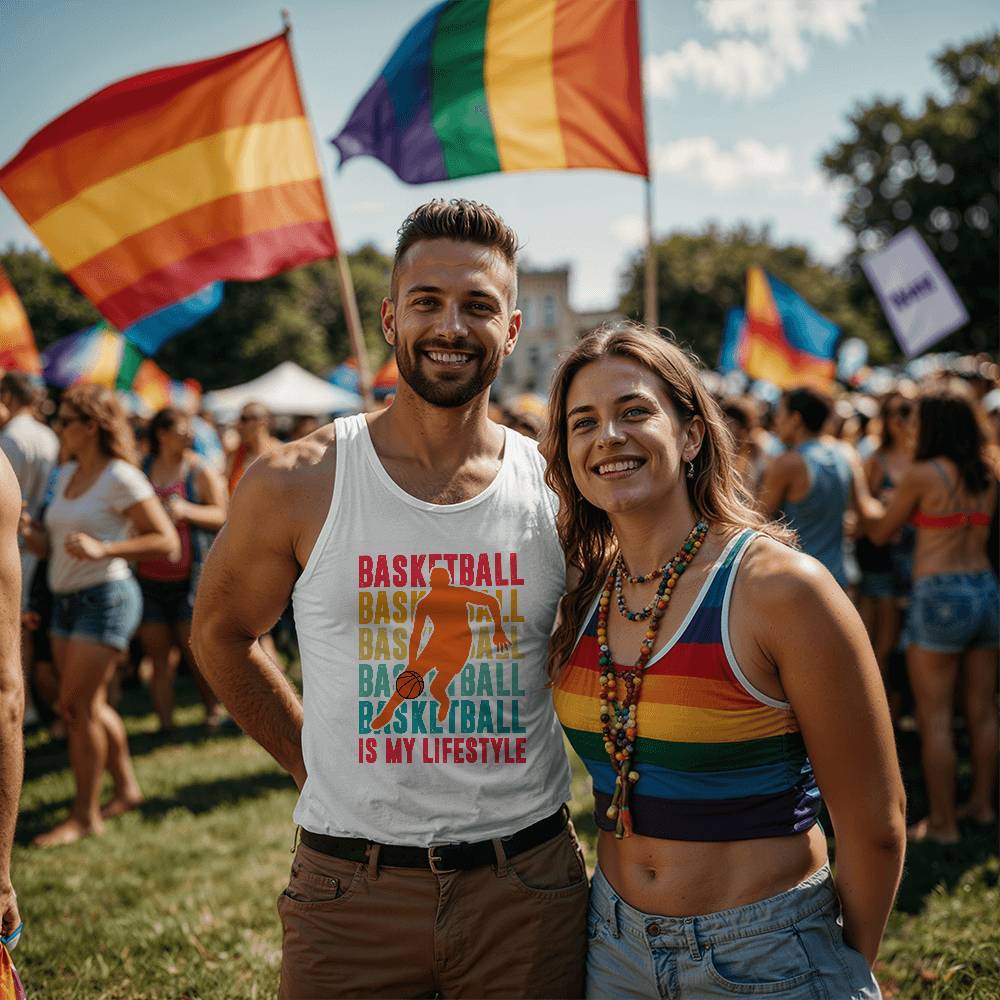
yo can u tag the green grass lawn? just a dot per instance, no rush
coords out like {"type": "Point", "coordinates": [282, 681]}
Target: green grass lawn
{"type": "Point", "coordinates": [177, 899]}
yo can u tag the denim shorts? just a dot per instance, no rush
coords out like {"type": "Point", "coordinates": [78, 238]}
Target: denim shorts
{"type": "Point", "coordinates": [789, 946]}
{"type": "Point", "coordinates": [952, 612]}
{"type": "Point", "coordinates": [108, 613]}
{"type": "Point", "coordinates": [165, 602]}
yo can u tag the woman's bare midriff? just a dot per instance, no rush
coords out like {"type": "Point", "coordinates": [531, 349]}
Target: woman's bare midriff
{"type": "Point", "coordinates": [681, 878]}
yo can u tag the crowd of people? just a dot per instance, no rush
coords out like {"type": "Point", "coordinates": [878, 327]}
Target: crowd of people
{"type": "Point", "coordinates": [803, 548]}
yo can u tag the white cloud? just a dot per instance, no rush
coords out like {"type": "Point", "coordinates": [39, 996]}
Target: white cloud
{"type": "Point", "coordinates": [367, 207]}
{"type": "Point", "coordinates": [763, 41]}
{"type": "Point", "coordinates": [629, 230]}
{"type": "Point", "coordinates": [749, 164]}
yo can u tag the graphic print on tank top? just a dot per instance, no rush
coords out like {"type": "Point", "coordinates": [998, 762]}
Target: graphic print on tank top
{"type": "Point", "coordinates": [438, 659]}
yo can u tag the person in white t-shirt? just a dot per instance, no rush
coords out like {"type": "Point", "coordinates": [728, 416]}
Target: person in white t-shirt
{"type": "Point", "coordinates": [32, 449]}
{"type": "Point", "coordinates": [103, 513]}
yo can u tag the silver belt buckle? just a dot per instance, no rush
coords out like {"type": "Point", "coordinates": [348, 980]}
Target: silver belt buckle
{"type": "Point", "coordinates": [434, 859]}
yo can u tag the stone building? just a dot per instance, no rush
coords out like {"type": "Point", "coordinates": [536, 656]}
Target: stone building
{"type": "Point", "coordinates": [549, 326]}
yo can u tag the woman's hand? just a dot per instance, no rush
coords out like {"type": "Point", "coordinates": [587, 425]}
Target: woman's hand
{"type": "Point", "coordinates": [178, 508]}
{"type": "Point", "coordinates": [83, 546]}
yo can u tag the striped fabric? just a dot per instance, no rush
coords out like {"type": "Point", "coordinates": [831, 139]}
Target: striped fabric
{"type": "Point", "coordinates": [99, 355]}
{"type": "Point", "coordinates": [784, 340]}
{"type": "Point", "coordinates": [715, 762]}
{"type": "Point", "coordinates": [17, 343]}
{"type": "Point", "coordinates": [481, 86]}
{"type": "Point", "coordinates": [165, 182]}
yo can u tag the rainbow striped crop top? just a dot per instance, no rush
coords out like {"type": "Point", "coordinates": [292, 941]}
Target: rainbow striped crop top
{"type": "Point", "coordinates": [717, 759]}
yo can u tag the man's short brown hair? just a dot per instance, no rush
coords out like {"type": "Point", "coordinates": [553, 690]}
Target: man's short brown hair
{"type": "Point", "coordinates": [458, 219]}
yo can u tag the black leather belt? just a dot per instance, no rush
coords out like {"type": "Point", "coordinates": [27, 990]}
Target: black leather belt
{"type": "Point", "coordinates": [446, 857]}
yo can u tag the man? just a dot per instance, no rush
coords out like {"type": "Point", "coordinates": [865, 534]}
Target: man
{"type": "Point", "coordinates": [254, 427]}
{"type": "Point", "coordinates": [435, 855]}
{"type": "Point", "coordinates": [32, 449]}
{"type": "Point", "coordinates": [11, 695]}
{"type": "Point", "coordinates": [816, 481]}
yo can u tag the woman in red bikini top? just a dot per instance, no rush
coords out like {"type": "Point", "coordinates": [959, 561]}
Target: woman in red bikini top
{"type": "Point", "coordinates": [950, 496]}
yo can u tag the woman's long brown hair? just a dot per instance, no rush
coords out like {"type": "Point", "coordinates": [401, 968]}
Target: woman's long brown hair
{"type": "Point", "coordinates": [716, 491]}
{"type": "Point", "coordinates": [98, 404]}
{"type": "Point", "coordinates": [951, 427]}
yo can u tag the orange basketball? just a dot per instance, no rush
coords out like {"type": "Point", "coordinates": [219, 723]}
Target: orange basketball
{"type": "Point", "coordinates": [409, 684]}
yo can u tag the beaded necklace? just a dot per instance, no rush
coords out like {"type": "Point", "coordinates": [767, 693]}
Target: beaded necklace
{"type": "Point", "coordinates": [619, 718]}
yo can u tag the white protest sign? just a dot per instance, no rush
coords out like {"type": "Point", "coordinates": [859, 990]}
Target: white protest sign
{"type": "Point", "coordinates": [919, 301]}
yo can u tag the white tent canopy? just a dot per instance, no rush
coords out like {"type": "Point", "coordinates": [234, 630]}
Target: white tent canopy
{"type": "Point", "coordinates": [287, 389]}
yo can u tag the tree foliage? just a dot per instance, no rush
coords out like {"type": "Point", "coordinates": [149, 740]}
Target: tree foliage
{"type": "Point", "coordinates": [295, 316]}
{"type": "Point", "coordinates": [936, 170]}
{"type": "Point", "coordinates": [701, 275]}
{"type": "Point", "coordinates": [54, 306]}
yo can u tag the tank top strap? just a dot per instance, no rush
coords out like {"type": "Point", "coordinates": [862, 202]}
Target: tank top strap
{"type": "Point", "coordinates": [705, 619]}
{"type": "Point", "coordinates": [728, 563]}
{"type": "Point", "coordinates": [945, 478]}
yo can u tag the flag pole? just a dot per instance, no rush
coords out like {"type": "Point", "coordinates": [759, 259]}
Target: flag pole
{"type": "Point", "coordinates": [650, 303]}
{"type": "Point", "coordinates": [347, 297]}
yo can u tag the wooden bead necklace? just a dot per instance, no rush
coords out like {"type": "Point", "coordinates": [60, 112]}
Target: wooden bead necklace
{"type": "Point", "coordinates": [619, 717]}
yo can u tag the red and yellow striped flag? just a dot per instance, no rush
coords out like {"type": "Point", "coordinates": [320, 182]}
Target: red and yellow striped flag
{"type": "Point", "coordinates": [17, 343]}
{"type": "Point", "coordinates": [166, 181]}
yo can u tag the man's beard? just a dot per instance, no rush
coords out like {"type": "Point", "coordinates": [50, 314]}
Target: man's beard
{"type": "Point", "coordinates": [448, 395]}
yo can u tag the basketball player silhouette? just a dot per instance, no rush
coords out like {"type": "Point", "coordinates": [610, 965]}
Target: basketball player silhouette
{"type": "Point", "coordinates": [450, 641]}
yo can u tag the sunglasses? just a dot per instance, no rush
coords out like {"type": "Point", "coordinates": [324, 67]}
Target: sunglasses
{"type": "Point", "coordinates": [246, 419]}
{"type": "Point", "coordinates": [903, 412]}
{"type": "Point", "coordinates": [61, 421]}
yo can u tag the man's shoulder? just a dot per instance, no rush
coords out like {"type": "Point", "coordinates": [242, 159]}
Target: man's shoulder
{"type": "Point", "coordinates": [293, 468]}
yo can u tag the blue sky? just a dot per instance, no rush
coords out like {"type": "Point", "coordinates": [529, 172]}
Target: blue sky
{"type": "Point", "coordinates": [743, 96]}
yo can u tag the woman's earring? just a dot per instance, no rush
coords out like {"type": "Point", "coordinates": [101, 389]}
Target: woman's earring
{"type": "Point", "coordinates": [690, 472]}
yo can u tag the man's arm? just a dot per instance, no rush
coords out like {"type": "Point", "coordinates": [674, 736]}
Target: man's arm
{"type": "Point", "coordinates": [245, 585]}
{"type": "Point", "coordinates": [774, 484]}
{"type": "Point", "coordinates": [861, 495]}
{"type": "Point", "coordinates": [11, 688]}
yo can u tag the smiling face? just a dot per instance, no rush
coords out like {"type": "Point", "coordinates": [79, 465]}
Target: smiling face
{"type": "Point", "coordinates": [451, 319]}
{"type": "Point", "coordinates": [626, 443]}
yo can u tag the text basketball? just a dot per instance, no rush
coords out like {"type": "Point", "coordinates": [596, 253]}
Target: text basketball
{"type": "Point", "coordinates": [409, 684]}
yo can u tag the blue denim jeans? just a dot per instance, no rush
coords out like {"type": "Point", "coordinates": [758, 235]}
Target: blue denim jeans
{"type": "Point", "coordinates": [953, 612]}
{"type": "Point", "coordinates": [108, 613]}
{"type": "Point", "coordinates": [789, 946]}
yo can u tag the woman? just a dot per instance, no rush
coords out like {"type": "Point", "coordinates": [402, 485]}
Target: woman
{"type": "Point", "coordinates": [950, 495]}
{"type": "Point", "coordinates": [886, 569]}
{"type": "Point", "coordinates": [713, 874]}
{"type": "Point", "coordinates": [103, 513]}
{"type": "Point", "coordinates": [195, 498]}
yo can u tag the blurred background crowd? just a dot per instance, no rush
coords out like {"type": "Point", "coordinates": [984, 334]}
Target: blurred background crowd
{"type": "Point", "coordinates": [842, 468]}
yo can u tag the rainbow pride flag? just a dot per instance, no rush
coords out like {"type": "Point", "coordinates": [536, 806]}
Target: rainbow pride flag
{"type": "Point", "coordinates": [481, 86]}
{"type": "Point", "coordinates": [17, 343]}
{"type": "Point", "coordinates": [165, 182]}
{"type": "Point", "coordinates": [101, 356]}
{"type": "Point", "coordinates": [782, 339]}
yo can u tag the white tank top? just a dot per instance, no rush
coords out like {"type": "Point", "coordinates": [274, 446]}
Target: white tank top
{"type": "Point", "coordinates": [472, 749]}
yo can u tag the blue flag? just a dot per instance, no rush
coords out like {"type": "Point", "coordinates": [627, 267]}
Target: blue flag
{"type": "Point", "coordinates": [728, 356]}
{"type": "Point", "coordinates": [154, 330]}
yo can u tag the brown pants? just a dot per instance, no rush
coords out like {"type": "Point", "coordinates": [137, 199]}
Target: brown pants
{"type": "Point", "coordinates": [513, 929]}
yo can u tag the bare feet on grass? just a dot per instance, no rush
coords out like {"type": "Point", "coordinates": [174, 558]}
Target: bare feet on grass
{"type": "Point", "coordinates": [122, 804]}
{"type": "Point", "coordinates": [983, 815]}
{"type": "Point", "coordinates": [924, 832]}
{"type": "Point", "coordinates": [69, 831]}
